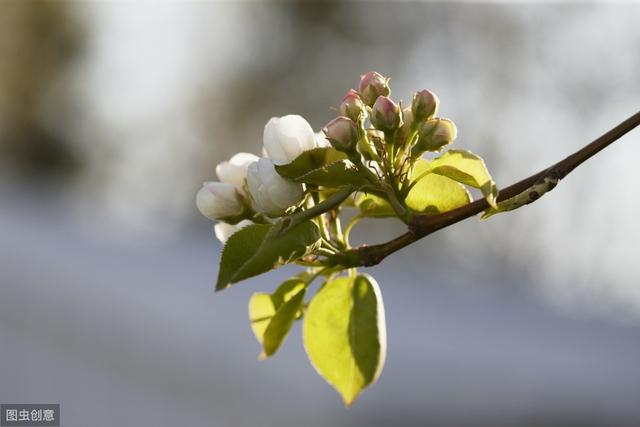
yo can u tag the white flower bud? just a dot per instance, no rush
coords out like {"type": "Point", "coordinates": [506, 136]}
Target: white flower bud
{"type": "Point", "coordinates": [224, 231]}
{"type": "Point", "coordinates": [270, 192]}
{"type": "Point", "coordinates": [218, 200]}
{"type": "Point", "coordinates": [234, 171]}
{"type": "Point", "coordinates": [285, 138]}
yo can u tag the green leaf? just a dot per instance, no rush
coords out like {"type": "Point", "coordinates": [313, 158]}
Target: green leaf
{"type": "Point", "coordinates": [259, 248]}
{"type": "Point", "coordinates": [433, 194]}
{"type": "Point", "coordinates": [323, 166]}
{"type": "Point", "coordinates": [272, 315]}
{"type": "Point", "coordinates": [344, 334]}
{"type": "Point", "coordinates": [374, 206]}
{"type": "Point", "coordinates": [465, 167]}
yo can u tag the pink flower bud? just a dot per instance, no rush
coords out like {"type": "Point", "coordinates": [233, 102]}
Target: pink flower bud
{"type": "Point", "coordinates": [385, 114]}
{"type": "Point", "coordinates": [342, 133]}
{"type": "Point", "coordinates": [424, 105]}
{"type": "Point", "coordinates": [352, 106]}
{"type": "Point", "coordinates": [373, 85]}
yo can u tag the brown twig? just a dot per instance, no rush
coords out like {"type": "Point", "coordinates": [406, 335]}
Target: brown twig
{"type": "Point", "coordinates": [423, 225]}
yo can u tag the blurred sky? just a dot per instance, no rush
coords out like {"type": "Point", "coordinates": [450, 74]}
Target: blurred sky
{"type": "Point", "coordinates": [113, 113]}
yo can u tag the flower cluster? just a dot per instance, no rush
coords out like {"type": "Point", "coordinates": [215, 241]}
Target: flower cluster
{"type": "Point", "coordinates": [286, 208]}
{"type": "Point", "coordinates": [250, 189]}
{"type": "Point", "coordinates": [249, 186]}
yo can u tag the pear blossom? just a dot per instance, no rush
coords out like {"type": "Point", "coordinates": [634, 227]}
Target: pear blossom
{"type": "Point", "coordinates": [218, 200]}
{"type": "Point", "coordinates": [224, 231]}
{"type": "Point", "coordinates": [234, 170]}
{"type": "Point", "coordinates": [321, 140]}
{"type": "Point", "coordinates": [285, 138]}
{"type": "Point", "coordinates": [270, 192]}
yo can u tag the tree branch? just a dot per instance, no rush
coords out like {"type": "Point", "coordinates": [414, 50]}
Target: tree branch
{"type": "Point", "coordinates": [423, 225]}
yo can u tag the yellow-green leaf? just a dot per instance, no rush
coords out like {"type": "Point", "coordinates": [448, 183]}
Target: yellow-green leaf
{"type": "Point", "coordinates": [272, 315]}
{"type": "Point", "coordinates": [433, 193]}
{"type": "Point", "coordinates": [374, 206]}
{"type": "Point", "coordinates": [344, 334]}
{"type": "Point", "coordinates": [465, 167]}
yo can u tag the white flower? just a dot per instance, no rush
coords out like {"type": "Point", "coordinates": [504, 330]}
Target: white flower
{"type": "Point", "coordinates": [224, 231]}
{"type": "Point", "coordinates": [321, 140]}
{"type": "Point", "coordinates": [285, 138]}
{"type": "Point", "coordinates": [217, 200]}
{"type": "Point", "coordinates": [270, 192]}
{"type": "Point", "coordinates": [234, 171]}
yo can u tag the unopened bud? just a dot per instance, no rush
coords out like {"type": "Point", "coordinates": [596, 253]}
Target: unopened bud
{"type": "Point", "coordinates": [342, 133]}
{"type": "Point", "coordinates": [385, 114]}
{"type": "Point", "coordinates": [285, 138]}
{"type": "Point", "coordinates": [373, 85]}
{"type": "Point", "coordinates": [425, 105]}
{"type": "Point", "coordinates": [434, 135]}
{"type": "Point", "coordinates": [219, 200]}
{"type": "Point", "coordinates": [352, 106]}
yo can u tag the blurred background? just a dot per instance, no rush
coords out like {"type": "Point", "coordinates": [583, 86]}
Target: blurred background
{"type": "Point", "coordinates": [113, 113]}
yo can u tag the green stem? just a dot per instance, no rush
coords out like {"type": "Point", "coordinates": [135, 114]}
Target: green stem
{"type": "Point", "coordinates": [399, 207]}
{"type": "Point", "coordinates": [347, 230]}
{"type": "Point", "coordinates": [328, 245]}
{"type": "Point", "coordinates": [326, 205]}
{"type": "Point", "coordinates": [322, 225]}
{"type": "Point", "coordinates": [336, 227]}
{"type": "Point", "coordinates": [368, 173]}
{"type": "Point", "coordinates": [364, 144]}
{"type": "Point", "coordinates": [411, 137]}
{"type": "Point", "coordinates": [326, 252]}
